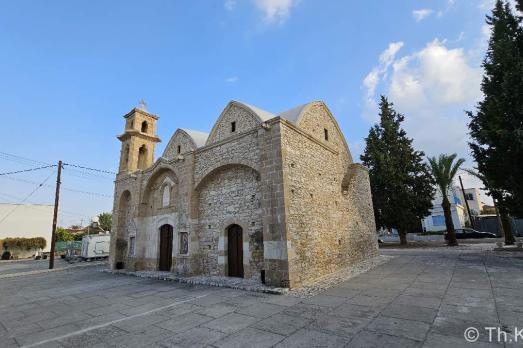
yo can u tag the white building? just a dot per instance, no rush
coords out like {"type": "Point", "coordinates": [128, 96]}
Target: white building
{"type": "Point", "coordinates": [26, 221]}
{"type": "Point", "coordinates": [473, 197]}
{"type": "Point", "coordinates": [436, 220]}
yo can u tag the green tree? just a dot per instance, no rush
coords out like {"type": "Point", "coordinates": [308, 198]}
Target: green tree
{"type": "Point", "coordinates": [401, 183]}
{"type": "Point", "coordinates": [497, 197]}
{"type": "Point", "coordinates": [497, 126]}
{"type": "Point", "coordinates": [444, 170]}
{"type": "Point", "coordinates": [63, 235]}
{"type": "Point", "coordinates": [105, 221]}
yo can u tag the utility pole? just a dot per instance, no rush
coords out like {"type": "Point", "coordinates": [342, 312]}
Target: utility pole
{"type": "Point", "coordinates": [55, 215]}
{"type": "Point", "coordinates": [466, 202]}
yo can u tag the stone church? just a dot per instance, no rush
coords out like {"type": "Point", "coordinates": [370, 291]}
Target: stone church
{"type": "Point", "coordinates": [274, 197]}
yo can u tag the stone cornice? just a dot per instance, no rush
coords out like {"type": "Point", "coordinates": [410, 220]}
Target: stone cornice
{"type": "Point", "coordinates": [132, 132]}
{"type": "Point", "coordinates": [140, 111]}
{"type": "Point", "coordinates": [226, 140]}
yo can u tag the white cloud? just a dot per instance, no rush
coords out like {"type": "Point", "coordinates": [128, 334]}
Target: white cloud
{"type": "Point", "coordinates": [421, 14]}
{"type": "Point", "coordinates": [488, 5]}
{"type": "Point", "coordinates": [374, 77]}
{"type": "Point", "coordinates": [229, 5]}
{"type": "Point", "coordinates": [432, 87]}
{"type": "Point", "coordinates": [232, 79]}
{"type": "Point", "coordinates": [275, 10]}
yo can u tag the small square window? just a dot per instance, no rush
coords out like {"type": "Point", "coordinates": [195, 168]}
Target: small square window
{"type": "Point", "coordinates": [326, 133]}
{"type": "Point", "coordinates": [233, 127]}
{"type": "Point", "coordinates": [179, 149]}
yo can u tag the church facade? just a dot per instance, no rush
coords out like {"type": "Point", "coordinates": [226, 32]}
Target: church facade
{"type": "Point", "coordinates": [275, 197]}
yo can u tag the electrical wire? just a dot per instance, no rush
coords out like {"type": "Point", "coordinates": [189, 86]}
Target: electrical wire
{"type": "Point", "coordinates": [91, 169]}
{"type": "Point", "coordinates": [62, 187]}
{"type": "Point", "coordinates": [25, 199]}
{"type": "Point", "coordinates": [29, 170]}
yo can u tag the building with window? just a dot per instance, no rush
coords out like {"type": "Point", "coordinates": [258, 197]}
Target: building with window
{"type": "Point", "coordinates": [436, 220]}
{"type": "Point", "coordinates": [273, 197]}
{"type": "Point", "coordinates": [473, 197]}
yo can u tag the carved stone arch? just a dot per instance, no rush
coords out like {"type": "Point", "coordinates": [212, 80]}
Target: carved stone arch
{"type": "Point", "coordinates": [161, 175]}
{"type": "Point", "coordinates": [123, 228]}
{"type": "Point", "coordinates": [223, 166]}
{"type": "Point", "coordinates": [250, 118]}
{"type": "Point", "coordinates": [302, 118]}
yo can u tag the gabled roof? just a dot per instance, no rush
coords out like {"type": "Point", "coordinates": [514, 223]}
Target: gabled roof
{"type": "Point", "coordinates": [294, 115]}
{"type": "Point", "coordinates": [198, 137]}
{"type": "Point", "coordinates": [262, 114]}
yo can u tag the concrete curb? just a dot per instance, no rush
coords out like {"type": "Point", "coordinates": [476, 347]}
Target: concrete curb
{"type": "Point", "coordinates": [42, 271]}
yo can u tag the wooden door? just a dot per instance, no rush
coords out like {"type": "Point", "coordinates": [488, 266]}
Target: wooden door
{"type": "Point", "coordinates": [235, 251]}
{"type": "Point", "coordinates": [166, 248]}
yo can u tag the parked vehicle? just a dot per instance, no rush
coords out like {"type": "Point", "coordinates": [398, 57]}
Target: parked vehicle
{"type": "Point", "coordinates": [95, 246]}
{"type": "Point", "coordinates": [469, 233]}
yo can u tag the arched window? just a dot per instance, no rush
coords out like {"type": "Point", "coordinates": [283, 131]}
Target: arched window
{"type": "Point", "coordinates": [166, 196]}
{"type": "Point", "coordinates": [142, 157]}
{"type": "Point", "coordinates": [144, 126]}
{"type": "Point", "coordinates": [125, 157]}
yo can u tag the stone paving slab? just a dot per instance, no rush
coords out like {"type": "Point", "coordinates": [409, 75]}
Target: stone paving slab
{"type": "Point", "coordinates": [419, 298]}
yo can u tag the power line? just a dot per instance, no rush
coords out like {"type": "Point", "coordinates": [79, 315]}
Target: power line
{"type": "Point", "coordinates": [35, 205]}
{"type": "Point", "coordinates": [25, 199]}
{"type": "Point", "coordinates": [63, 188]}
{"type": "Point", "coordinates": [87, 168]}
{"type": "Point", "coordinates": [28, 170]}
{"type": "Point", "coordinates": [29, 161]}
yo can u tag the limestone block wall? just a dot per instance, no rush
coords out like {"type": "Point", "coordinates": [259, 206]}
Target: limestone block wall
{"type": "Point", "coordinates": [230, 195]}
{"type": "Point", "coordinates": [325, 229]}
{"type": "Point", "coordinates": [126, 198]}
{"type": "Point", "coordinates": [244, 121]}
{"type": "Point", "coordinates": [242, 149]}
{"type": "Point", "coordinates": [181, 139]}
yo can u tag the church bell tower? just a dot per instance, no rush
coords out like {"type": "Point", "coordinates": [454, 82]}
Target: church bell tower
{"type": "Point", "coordinates": [138, 140]}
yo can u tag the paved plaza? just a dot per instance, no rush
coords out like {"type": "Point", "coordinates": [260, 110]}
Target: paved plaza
{"type": "Point", "coordinates": [420, 298]}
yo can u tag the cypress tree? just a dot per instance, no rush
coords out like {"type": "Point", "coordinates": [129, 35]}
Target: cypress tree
{"type": "Point", "coordinates": [497, 126]}
{"type": "Point", "coordinates": [401, 183]}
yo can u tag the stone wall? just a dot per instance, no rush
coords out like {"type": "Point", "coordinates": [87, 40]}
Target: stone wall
{"type": "Point", "coordinates": [182, 139]}
{"type": "Point", "coordinates": [231, 195]}
{"type": "Point", "coordinates": [326, 230]}
{"type": "Point", "coordinates": [242, 149]}
{"type": "Point", "coordinates": [243, 119]}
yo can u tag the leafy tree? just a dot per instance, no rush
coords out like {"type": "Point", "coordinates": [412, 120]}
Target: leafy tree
{"type": "Point", "coordinates": [497, 126]}
{"type": "Point", "coordinates": [444, 170]}
{"type": "Point", "coordinates": [63, 235]}
{"type": "Point", "coordinates": [506, 226]}
{"type": "Point", "coordinates": [401, 183]}
{"type": "Point", "coordinates": [105, 221]}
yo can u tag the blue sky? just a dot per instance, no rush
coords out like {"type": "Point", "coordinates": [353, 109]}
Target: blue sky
{"type": "Point", "coordinates": [70, 71]}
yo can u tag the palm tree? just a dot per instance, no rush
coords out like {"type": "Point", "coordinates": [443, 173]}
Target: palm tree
{"type": "Point", "coordinates": [497, 197]}
{"type": "Point", "coordinates": [444, 170]}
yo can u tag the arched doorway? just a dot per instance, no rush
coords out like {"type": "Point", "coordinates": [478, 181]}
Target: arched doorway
{"type": "Point", "coordinates": [122, 233]}
{"type": "Point", "coordinates": [166, 248]}
{"type": "Point", "coordinates": [235, 251]}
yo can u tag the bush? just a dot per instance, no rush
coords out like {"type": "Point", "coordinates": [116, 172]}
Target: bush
{"type": "Point", "coordinates": [23, 243]}
{"type": "Point", "coordinates": [6, 255]}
